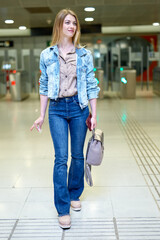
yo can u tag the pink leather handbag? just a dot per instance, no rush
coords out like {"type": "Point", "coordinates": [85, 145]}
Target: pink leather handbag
{"type": "Point", "coordinates": [94, 154]}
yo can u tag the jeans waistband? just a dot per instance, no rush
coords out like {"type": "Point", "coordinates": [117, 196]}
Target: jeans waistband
{"type": "Point", "coordinates": [66, 99]}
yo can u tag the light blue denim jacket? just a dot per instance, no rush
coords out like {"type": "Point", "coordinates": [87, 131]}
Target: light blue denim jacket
{"type": "Point", "coordinates": [50, 73]}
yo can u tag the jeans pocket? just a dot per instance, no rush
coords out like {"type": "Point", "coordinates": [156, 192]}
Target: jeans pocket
{"type": "Point", "coordinates": [53, 103]}
{"type": "Point", "coordinates": [76, 102]}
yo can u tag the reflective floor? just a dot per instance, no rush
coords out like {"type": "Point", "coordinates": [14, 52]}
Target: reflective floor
{"type": "Point", "coordinates": [124, 202]}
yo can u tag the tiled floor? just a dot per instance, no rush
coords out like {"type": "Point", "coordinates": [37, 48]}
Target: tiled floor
{"type": "Point", "coordinates": [126, 189]}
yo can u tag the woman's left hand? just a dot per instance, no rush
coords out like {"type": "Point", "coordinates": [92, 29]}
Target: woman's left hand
{"type": "Point", "coordinates": [93, 123]}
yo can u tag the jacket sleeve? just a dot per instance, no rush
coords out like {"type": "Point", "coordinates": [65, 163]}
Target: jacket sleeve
{"type": "Point", "coordinates": [92, 88]}
{"type": "Point", "coordinates": [43, 88]}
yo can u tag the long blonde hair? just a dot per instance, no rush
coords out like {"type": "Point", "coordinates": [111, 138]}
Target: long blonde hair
{"type": "Point", "coordinates": [58, 24]}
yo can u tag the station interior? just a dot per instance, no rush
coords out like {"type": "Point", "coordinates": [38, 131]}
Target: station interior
{"type": "Point", "coordinates": [124, 201]}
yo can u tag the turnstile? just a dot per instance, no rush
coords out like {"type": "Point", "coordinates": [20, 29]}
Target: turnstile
{"type": "Point", "coordinates": [125, 82]}
{"type": "Point", "coordinates": [156, 80]}
{"type": "Point", "coordinates": [3, 87]}
{"type": "Point", "coordinates": [128, 84]}
{"type": "Point", "coordinates": [19, 85]}
{"type": "Point", "coordinates": [99, 74]}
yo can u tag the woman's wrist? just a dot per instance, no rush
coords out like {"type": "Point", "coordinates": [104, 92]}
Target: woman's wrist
{"type": "Point", "coordinates": [94, 116]}
{"type": "Point", "coordinates": [42, 116]}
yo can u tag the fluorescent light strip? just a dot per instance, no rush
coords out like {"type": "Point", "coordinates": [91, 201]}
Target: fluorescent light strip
{"type": "Point", "coordinates": [22, 28]}
{"type": "Point", "coordinates": [15, 32]}
{"type": "Point", "coordinates": [130, 29]}
{"type": "Point", "coordinates": [89, 9]}
{"type": "Point", "coordinates": [89, 19]}
{"type": "Point", "coordinates": [155, 24]}
{"type": "Point", "coordinates": [9, 21]}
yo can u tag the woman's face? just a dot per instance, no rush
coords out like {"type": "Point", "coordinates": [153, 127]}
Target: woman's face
{"type": "Point", "coordinates": [69, 26]}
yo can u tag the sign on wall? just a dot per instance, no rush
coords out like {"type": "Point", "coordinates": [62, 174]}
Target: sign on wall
{"type": "Point", "coordinates": [6, 44]}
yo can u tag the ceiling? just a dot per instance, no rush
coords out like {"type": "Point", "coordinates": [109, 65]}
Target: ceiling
{"type": "Point", "coordinates": [36, 13]}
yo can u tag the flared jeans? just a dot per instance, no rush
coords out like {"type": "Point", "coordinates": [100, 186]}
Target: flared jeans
{"type": "Point", "coordinates": [66, 116]}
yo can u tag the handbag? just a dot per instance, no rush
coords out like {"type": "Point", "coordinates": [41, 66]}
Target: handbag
{"type": "Point", "coordinates": [94, 154]}
{"type": "Point", "coordinates": [88, 121]}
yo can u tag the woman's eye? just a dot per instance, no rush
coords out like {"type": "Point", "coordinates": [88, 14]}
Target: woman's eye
{"type": "Point", "coordinates": [68, 22]}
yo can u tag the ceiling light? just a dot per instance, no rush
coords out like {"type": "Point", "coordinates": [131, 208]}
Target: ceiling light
{"type": "Point", "coordinates": [89, 19]}
{"type": "Point", "coordinates": [49, 21]}
{"type": "Point", "coordinates": [22, 28]}
{"type": "Point", "coordinates": [89, 9]}
{"type": "Point", "coordinates": [9, 21]}
{"type": "Point", "coordinates": [155, 24]}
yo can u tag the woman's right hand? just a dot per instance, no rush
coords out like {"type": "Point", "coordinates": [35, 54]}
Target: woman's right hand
{"type": "Point", "coordinates": [38, 124]}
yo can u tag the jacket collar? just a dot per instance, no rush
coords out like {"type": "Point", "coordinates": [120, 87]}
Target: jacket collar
{"type": "Point", "coordinates": [80, 51]}
{"type": "Point", "coordinates": [55, 48]}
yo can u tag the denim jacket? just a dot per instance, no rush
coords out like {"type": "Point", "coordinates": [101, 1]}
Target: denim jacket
{"type": "Point", "coordinates": [50, 73]}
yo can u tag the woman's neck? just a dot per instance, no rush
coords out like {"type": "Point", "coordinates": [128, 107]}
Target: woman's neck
{"type": "Point", "coordinates": [66, 44]}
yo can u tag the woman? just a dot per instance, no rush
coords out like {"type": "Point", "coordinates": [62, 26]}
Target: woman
{"type": "Point", "coordinates": [67, 79]}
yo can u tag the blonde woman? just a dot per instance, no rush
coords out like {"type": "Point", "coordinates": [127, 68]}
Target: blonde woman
{"type": "Point", "coordinates": [67, 79]}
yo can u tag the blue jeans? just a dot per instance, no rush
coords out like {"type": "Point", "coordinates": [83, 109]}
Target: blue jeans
{"type": "Point", "coordinates": [65, 114]}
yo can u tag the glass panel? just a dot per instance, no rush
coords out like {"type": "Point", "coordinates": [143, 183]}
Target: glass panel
{"type": "Point", "coordinates": [137, 64]}
{"type": "Point", "coordinates": [153, 58]}
{"type": "Point", "coordinates": [124, 57]}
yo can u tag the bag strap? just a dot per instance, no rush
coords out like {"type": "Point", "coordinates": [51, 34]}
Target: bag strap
{"type": "Point", "coordinates": [98, 135]}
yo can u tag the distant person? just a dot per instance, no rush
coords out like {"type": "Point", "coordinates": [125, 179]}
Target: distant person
{"type": "Point", "coordinates": [67, 79]}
